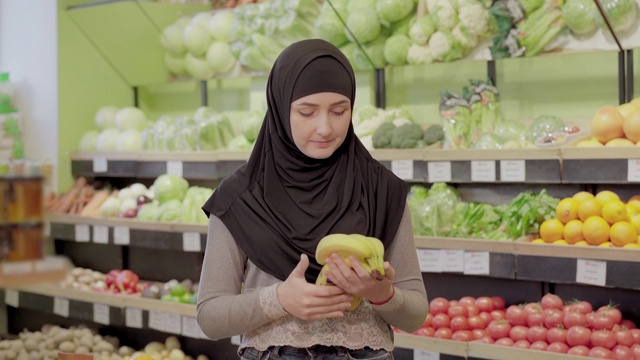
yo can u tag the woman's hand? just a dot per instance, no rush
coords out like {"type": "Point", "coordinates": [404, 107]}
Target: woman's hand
{"type": "Point", "coordinates": [358, 281]}
{"type": "Point", "coordinates": [310, 301]}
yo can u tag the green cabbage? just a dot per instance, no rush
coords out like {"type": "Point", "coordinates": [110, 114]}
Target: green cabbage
{"type": "Point", "coordinates": [169, 187]}
{"type": "Point", "coordinates": [579, 15]}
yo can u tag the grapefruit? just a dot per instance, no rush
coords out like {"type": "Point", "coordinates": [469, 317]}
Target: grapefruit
{"type": "Point", "coordinates": [606, 124]}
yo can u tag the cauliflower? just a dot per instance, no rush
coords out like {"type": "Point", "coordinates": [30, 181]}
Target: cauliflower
{"type": "Point", "coordinates": [474, 16]}
{"type": "Point", "coordinates": [419, 54]}
{"type": "Point", "coordinates": [444, 47]}
{"type": "Point", "coordinates": [444, 15]}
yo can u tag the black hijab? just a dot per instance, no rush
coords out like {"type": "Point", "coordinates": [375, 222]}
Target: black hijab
{"type": "Point", "coordinates": [282, 202]}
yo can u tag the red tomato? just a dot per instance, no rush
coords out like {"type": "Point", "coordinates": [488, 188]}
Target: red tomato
{"type": "Point", "coordinates": [558, 347]}
{"type": "Point", "coordinates": [535, 319]}
{"type": "Point", "coordinates": [518, 332]}
{"type": "Point", "coordinates": [443, 333]}
{"type": "Point", "coordinates": [504, 342]}
{"type": "Point", "coordinates": [624, 337]}
{"type": "Point", "coordinates": [486, 340]}
{"type": "Point", "coordinates": [636, 351]}
{"type": "Point", "coordinates": [537, 333]}
{"type": "Point", "coordinates": [612, 312]}
{"type": "Point", "coordinates": [428, 320]}
{"type": "Point", "coordinates": [457, 310]}
{"type": "Point", "coordinates": [553, 317]}
{"type": "Point", "coordinates": [459, 323]}
{"type": "Point", "coordinates": [600, 353]}
{"type": "Point", "coordinates": [484, 303]}
{"type": "Point", "coordinates": [426, 331]}
{"type": "Point", "coordinates": [516, 315]}
{"type": "Point", "coordinates": [440, 321]}
{"type": "Point", "coordinates": [499, 329]}
{"type": "Point", "coordinates": [462, 335]}
{"type": "Point", "coordinates": [523, 344]}
{"type": "Point", "coordinates": [472, 310]}
{"type": "Point", "coordinates": [578, 335]}
{"type": "Point", "coordinates": [539, 345]}
{"type": "Point", "coordinates": [574, 318]}
{"type": "Point", "coordinates": [551, 301]}
{"type": "Point", "coordinates": [498, 315]}
{"type": "Point", "coordinates": [438, 305]}
{"type": "Point", "coordinates": [602, 321]}
{"type": "Point", "coordinates": [480, 333]}
{"type": "Point", "coordinates": [621, 352]}
{"type": "Point", "coordinates": [477, 322]}
{"type": "Point", "coordinates": [486, 317]}
{"type": "Point", "coordinates": [467, 300]}
{"type": "Point", "coordinates": [557, 334]}
{"type": "Point", "coordinates": [498, 302]}
{"type": "Point", "coordinates": [533, 308]}
{"type": "Point", "coordinates": [603, 338]}
{"type": "Point", "coordinates": [628, 324]}
{"type": "Point", "coordinates": [636, 335]}
{"type": "Point", "coordinates": [580, 350]}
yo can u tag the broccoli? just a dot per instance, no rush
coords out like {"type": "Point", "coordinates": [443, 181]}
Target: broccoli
{"type": "Point", "coordinates": [407, 136]}
{"type": "Point", "coordinates": [433, 134]}
{"type": "Point", "coordinates": [382, 136]}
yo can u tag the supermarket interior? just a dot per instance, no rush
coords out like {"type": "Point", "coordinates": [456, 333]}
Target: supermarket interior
{"type": "Point", "coordinates": [515, 129]}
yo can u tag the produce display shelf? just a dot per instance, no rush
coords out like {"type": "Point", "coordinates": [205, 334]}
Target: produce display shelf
{"type": "Point", "coordinates": [601, 165]}
{"type": "Point", "coordinates": [48, 269]}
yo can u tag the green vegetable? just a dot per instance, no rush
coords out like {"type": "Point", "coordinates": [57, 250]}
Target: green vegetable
{"type": "Point", "coordinates": [407, 136]}
{"type": "Point", "coordinates": [580, 16]}
{"type": "Point", "coordinates": [622, 14]}
{"type": "Point", "coordinates": [396, 49]}
{"type": "Point", "coordinates": [433, 134]}
{"type": "Point", "coordinates": [169, 187]}
{"type": "Point", "coordinates": [383, 135]}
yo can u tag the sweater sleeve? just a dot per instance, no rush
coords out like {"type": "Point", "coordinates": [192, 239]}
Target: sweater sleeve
{"type": "Point", "coordinates": [409, 306]}
{"type": "Point", "coordinates": [222, 309]}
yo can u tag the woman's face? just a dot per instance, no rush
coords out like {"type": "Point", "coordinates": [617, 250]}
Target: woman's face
{"type": "Point", "coordinates": [319, 123]}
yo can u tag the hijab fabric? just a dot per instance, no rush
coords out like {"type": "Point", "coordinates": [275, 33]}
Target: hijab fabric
{"type": "Point", "coordinates": [282, 202]}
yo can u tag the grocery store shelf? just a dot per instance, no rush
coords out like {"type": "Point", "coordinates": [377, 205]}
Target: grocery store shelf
{"type": "Point", "coordinates": [48, 269]}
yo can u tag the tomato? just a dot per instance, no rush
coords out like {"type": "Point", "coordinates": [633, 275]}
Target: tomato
{"type": "Point", "coordinates": [484, 303]}
{"type": "Point", "coordinates": [622, 352]}
{"type": "Point", "coordinates": [480, 333]}
{"type": "Point", "coordinates": [600, 353]}
{"type": "Point", "coordinates": [516, 315]}
{"type": "Point", "coordinates": [551, 301]}
{"type": "Point", "coordinates": [462, 335]}
{"type": "Point", "coordinates": [578, 335]}
{"type": "Point", "coordinates": [574, 318]}
{"type": "Point", "coordinates": [457, 310]}
{"type": "Point", "coordinates": [580, 350]}
{"type": "Point", "coordinates": [485, 340]}
{"type": "Point", "coordinates": [523, 344]}
{"type": "Point", "coordinates": [558, 347]}
{"type": "Point", "coordinates": [518, 332]}
{"type": "Point", "coordinates": [428, 320]}
{"type": "Point", "coordinates": [537, 333]}
{"type": "Point", "coordinates": [553, 318]}
{"type": "Point", "coordinates": [440, 321]}
{"type": "Point", "coordinates": [539, 345]}
{"type": "Point", "coordinates": [477, 322]}
{"type": "Point", "coordinates": [535, 319]}
{"type": "Point", "coordinates": [611, 311]}
{"type": "Point", "coordinates": [603, 338]}
{"type": "Point", "coordinates": [486, 317]}
{"type": "Point", "coordinates": [426, 331]}
{"type": "Point", "coordinates": [459, 323]}
{"type": "Point", "coordinates": [499, 329]}
{"type": "Point", "coordinates": [557, 334]}
{"type": "Point", "coordinates": [467, 300]}
{"type": "Point", "coordinates": [443, 333]}
{"type": "Point", "coordinates": [472, 310]}
{"type": "Point", "coordinates": [628, 324]}
{"type": "Point", "coordinates": [602, 321]}
{"type": "Point", "coordinates": [636, 335]}
{"type": "Point", "coordinates": [504, 342]}
{"type": "Point", "coordinates": [498, 315]}
{"type": "Point", "coordinates": [438, 305]}
{"type": "Point", "coordinates": [498, 302]}
{"type": "Point", "coordinates": [533, 308]}
{"type": "Point", "coordinates": [624, 337]}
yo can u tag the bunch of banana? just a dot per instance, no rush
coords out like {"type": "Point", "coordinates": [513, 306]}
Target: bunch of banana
{"type": "Point", "coordinates": [368, 250]}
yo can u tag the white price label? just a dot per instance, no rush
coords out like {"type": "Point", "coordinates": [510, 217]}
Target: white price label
{"type": "Point", "coordinates": [174, 168]}
{"type": "Point", "coordinates": [191, 242]}
{"type": "Point", "coordinates": [156, 320]}
{"type": "Point", "coordinates": [476, 263]}
{"type": "Point", "coordinates": [592, 272]}
{"type": "Point", "coordinates": [453, 261]}
{"type": "Point", "coordinates": [16, 267]}
{"type": "Point", "coordinates": [100, 234]}
{"type": "Point", "coordinates": [439, 171]}
{"type": "Point", "coordinates": [173, 323]}
{"type": "Point", "coordinates": [425, 355]}
{"type": "Point", "coordinates": [430, 260]}
{"type": "Point", "coordinates": [403, 169]}
{"type": "Point", "coordinates": [61, 306]}
{"type": "Point", "coordinates": [513, 170]}
{"type": "Point", "coordinates": [483, 171]}
{"type": "Point", "coordinates": [133, 318]}
{"type": "Point", "coordinates": [82, 233]}
{"type": "Point", "coordinates": [633, 170]}
{"type": "Point", "coordinates": [121, 235]}
{"type": "Point", "coordinates": [236, 340]}
{"type": "Point", "coordinates": [101, 314]}
{"type": "Point", "coordinates": [12, 298]}
{"type": "Point", "coordinates": [100, 164]}
{"type": "Point", "coordinates": [190, 327]}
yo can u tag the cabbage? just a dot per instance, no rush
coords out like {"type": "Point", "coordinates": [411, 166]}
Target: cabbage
{"type": "Point", "coordinates": [175, 64]}
{"type": "Point", "coordinates": [171, 39]}
{"type": "Point", "coordinates": [511, 130]}
{"type": "Point", "coordinates": [220, 58]}
{"type": "Point", "coordinates": [621, 13]}
{"type": "Point", "coordinates": [364, 25]}
{"type": "Point", "coordinates": [393, 10]}
{"type": "Point", "coordinates": [148, 212]}
{"type": "Point", "coordinates": [169, 187]}
{"type": "Point", "coordinates": [488, 141]}
{"type": "Point", "coordinates": [106, 117]}
{"type": "Point", "coordinates": [220, 25]}
{"type": "Point", "coordinates": [196, 39]}
{"type": "Point", "coordinates": [89, 140]}
{"type": "Point", "coordinates": [131, 118]}
{"type": "Point", "coordinates": [198, 67]}
{"type": "Point", "coordinates": [396, 49]}
{"type": "Point", "coordinates": [107, 140]}
{"type": "Point", "coordinates": [170, 211]}
{"type": "Point", "coordinates": [421, 29]}
{"type": "Point", "coordinates": [579, 15]}
{"type": "Point", "coordinates": [374, 54]}
{"type": "Point", "coordinates": [129, 140]}
{"type": "Point", "coordinates": [545, 125]}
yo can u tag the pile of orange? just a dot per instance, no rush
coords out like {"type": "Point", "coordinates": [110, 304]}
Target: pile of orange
{"type": "Point", "coordinates": [600, 220]}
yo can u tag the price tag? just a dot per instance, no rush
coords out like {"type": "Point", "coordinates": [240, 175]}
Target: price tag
{"type": "Point", "coordinates": [592, 272]}
{"type": "Point", "coordinates": [174, 168]}
{"type": "Point", "coordinates": [236, 340]}
{"type": "Point", "coordinates": [156, 320]}
{"type": "Point", "coordinates": [12, 298]}
{"type": "Point", "coordinates": [16, 267]}
{"type": "Point", "coordinates": [633, 170]}
{"type": "Point", "coordinates": [425, 355]}
{"type": "Point", "coordinates": [100, 164]}
{"type": "Point", "coordinates": [476, 263]}
{"type": "Point", "coordinates": [100, 234]}
{"type": "Point", "coordinates": [82, 233]}
{"type": "Point", "coordinates": [173, 323]}
{"type": "Point", "coordinates": [512, 170]}
{"type": "Point", "coordinates": [61, 306]}
{"type": "Point", "coordinates": [101, 314]}
{"type": "Point", "coordinates": [483, 171]}
{"type": "Point", "coordinates": [191, 241]}
{"type": "Point", "coordinates": [439, 171]}
{"type": "Point", "coordinates": [403, 169]}
{"type": "Point", "coordinates": [121, 235]}
{"type": "Point", "coordinates": [190, 327]}
{"type": "Point", "coordinates": [430, 260]}
{"type": "Point", "coordinates": [453, 261]}
{"type": "Point", "coordinates": [133, 318]}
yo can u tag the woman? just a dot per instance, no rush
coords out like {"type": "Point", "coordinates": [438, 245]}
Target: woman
{"type": "Point", "coordinates": [308, 176]}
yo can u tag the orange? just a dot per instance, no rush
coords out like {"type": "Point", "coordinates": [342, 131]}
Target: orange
{"type": "Point", "coordinates": [623, 233]}
{"type": "Point", "coordinates": [581, 243]}
{"type": "Point", "coordinates": [595, 230]}
{"type": "Point", "coordinates": [583, 195]}
{"type": "Point", "coordinates": [614, 211]}
{"type": "Point", "coordinates": [632, 246]}
{"type": "Point", "coordinates": [573, 231]}
{"type": "Point", "coordinates": [606, 195]}
{"type": "Point", "coordinates": [567, 210]}
{"type": "Point", "coordinates": [588, 208]}
{"type": "Point", "coordinates": [607, 244]}
{"type": "Point", "coordinates": [560, 242]}
{"type": "Point", "coordinates": [551, 230]}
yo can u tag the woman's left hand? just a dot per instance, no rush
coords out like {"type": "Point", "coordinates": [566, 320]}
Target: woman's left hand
{"type": "Point", "coordinates": [358, 281]}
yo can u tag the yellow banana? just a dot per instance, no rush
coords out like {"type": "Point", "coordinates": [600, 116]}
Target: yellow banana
{"type": "Point", "coordinates": [342, 244]}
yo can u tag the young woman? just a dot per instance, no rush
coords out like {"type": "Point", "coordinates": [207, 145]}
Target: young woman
{"type": "Point", "coordinates": [308, 176]}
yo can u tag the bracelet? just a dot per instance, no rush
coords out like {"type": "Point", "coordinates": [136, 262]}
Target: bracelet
{"type": "Point", "coordinates": [393, 292]}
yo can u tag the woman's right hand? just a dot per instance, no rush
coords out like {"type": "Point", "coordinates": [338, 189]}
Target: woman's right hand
{"type": "Point", "coordinates": [310, 301]}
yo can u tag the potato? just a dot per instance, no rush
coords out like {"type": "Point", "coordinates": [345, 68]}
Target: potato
{"type": "Point", "coordinates": [67, 346]}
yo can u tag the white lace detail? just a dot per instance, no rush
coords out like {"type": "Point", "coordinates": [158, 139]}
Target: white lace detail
{"type": "Point", "coordinates": [269, 302]}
